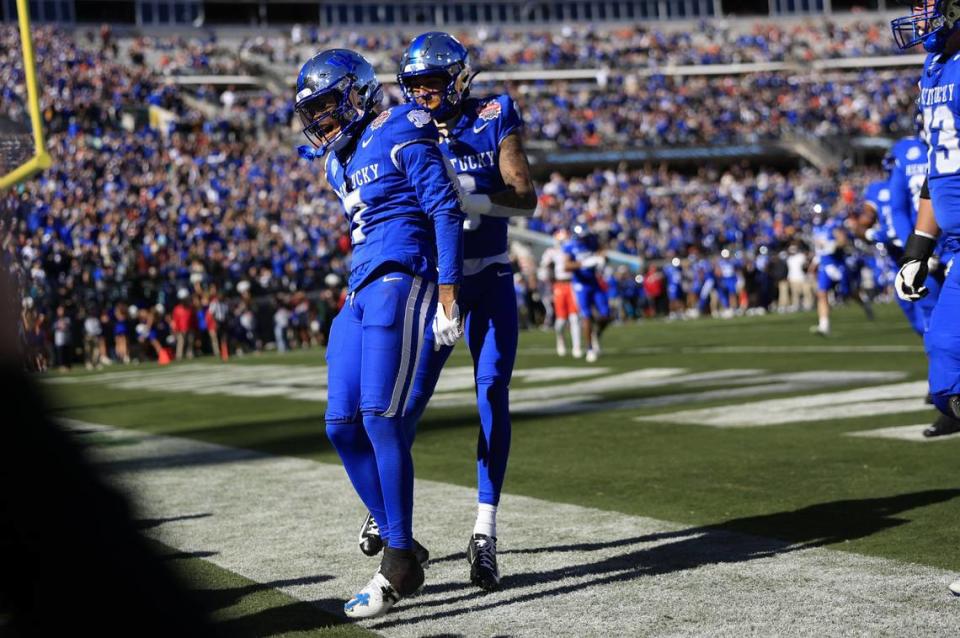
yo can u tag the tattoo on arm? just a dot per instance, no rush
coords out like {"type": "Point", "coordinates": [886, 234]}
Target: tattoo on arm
{"type": "Point", "coordinates": [515, 170]}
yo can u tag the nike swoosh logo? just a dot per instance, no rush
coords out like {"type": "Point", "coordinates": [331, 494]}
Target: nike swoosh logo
{"type": "Point", "coordinates": [477, 130]}
{"type": "Point", "coordinates": [389, 279]}
{"type": "Point", "coordinates": [364, 143]}
{"type": "Point", "coordinates": [504, 274]}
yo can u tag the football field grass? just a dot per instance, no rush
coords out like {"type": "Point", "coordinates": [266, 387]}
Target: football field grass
{"type": "Point", "coordinates": [696, 468]}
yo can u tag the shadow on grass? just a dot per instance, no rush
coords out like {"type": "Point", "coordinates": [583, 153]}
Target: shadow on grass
{"type": "Point", "coordinates": [296, 616]}
{"type": "Point", "coordinates": [215, 599]}
{"type": "Point", "coordinates": [150, 523]}
{"type": "Point", "coordinates": [735, 541]}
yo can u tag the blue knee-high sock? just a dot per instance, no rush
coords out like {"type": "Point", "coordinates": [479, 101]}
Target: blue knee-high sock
{"type": "Point", "coordinates": [395, 466]}
{"type": "Point", "coordinates": [354, 447]}
{"type": "Point", "coordinates": [493, 444]}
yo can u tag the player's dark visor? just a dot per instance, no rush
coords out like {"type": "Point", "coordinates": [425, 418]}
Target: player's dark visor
{"type": "Point", "coordinates": [324, 116]}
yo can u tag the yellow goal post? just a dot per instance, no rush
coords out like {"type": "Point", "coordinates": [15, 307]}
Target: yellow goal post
{"type": "Point", "coordinates": [39, 159]}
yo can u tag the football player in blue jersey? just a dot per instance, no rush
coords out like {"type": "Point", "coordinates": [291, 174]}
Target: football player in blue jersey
{"type": "Point", "coordinates": [673, 271]}
{"type": "Point", "coordinates": [893, 206]}
{"type": "Point", "coordinates": [829, 242]}
{"type": "Point", "coordinates": [585, 262]}
{"type": "Point", "coordinates": [936, 25]}
{"type": "Point", "coordinates": [728, 284]}
{"type": "Point", "coordinates": [481, 140]}
{"type": "Point", "coordinates": [406, 229]}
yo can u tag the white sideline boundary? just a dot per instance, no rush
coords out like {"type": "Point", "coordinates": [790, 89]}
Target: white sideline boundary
{"type": "Point", "coordinates": [568, 570]}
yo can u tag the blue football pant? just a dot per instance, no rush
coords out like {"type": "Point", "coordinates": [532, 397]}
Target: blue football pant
{"type": "Point", "coordinates": [833, 275]}
{"type": "Point", "coordinates": [489, 303]}
{"type": "Point", "coordinates": [919, 312]}
{"type": "Point", "coordinates": [726, 287]}
{"type": "Point", "coordinates": [591, 296]}
{"type": "Point", "coordinates": [942, 342]}
{"type": "Point", "coordinates": [372, 356]}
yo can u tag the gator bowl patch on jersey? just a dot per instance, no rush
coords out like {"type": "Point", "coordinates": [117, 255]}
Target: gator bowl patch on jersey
{"type": "Point", "coordinates": [489, 111]}
{"type": "Point", "coordinates": [380, 119]}
{"type": "Point", "coordinates": [913, 153]}
{"type": "Point", "coordinates": [419, 118]}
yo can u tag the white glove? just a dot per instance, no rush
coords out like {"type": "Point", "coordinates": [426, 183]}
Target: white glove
{"type": "Point", "coordinates": [475, 203]}
{"type": "Point", "coordinates": [593, 261]}
{"type": "Point", "coordinates": [466, 183]}
{"type": "Point", "coordinates": [446, 330]}
{"type": "Point", "coordinates": [870, 234]}
{"type": "Point", "coordinates": [910, 280]}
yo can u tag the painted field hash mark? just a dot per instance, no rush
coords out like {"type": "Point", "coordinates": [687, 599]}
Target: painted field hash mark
{"type": "Point", "coordinates": [568, 570]}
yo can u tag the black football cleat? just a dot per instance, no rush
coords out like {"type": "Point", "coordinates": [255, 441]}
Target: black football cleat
{"type": "Point", "coordinates": [943, 426]}
{"type": "Point", "coordinates": [482, 556]}
{"type": "Point", "coordinates": [371, 543]}
{"type": "Point", "coordinates": [422, 554]}
{"type": "Point", "coordinates": [403, 569]}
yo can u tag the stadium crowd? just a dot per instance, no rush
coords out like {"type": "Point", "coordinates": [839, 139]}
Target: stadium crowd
{"type": "Point", "coordinates": [211, 235]}
{"type": "Point", "coordinates": [634, 46]}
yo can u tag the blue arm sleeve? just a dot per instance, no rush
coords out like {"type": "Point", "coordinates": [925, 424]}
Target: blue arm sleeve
{"type": "Point", "coordinates": [426, 170]}
{"type": "Point", "coordinates": [900, 205]}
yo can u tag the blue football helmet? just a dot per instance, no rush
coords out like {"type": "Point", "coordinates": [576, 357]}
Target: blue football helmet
{"type": "Point", "coordinates": [438, 54]}
{"type": "Point", "coordinates": [930, 24]}
{"type": "Point", "coordinates": [351, 81]}
{"type": "Point", "coordinates": [889, 162]}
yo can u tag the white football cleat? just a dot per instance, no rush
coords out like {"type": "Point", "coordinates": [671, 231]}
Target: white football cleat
{"type": "Point", "coordinates": [576, 353]}
{"type": "Point", "coordinates": [592, 356]}
{"type": "Point", "coordinates": [561, 349]}
{"type": "Point", "coordinates": [955, 587]}
{"type": "Point", "coordinates": [374, 600]}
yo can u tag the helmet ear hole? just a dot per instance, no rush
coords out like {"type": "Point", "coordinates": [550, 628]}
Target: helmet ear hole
{"type": "Point", "coordinates": [951, 13]}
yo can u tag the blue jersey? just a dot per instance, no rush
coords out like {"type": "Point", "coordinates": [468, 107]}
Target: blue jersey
{"type": "Point", "coordinates": [473, 150]}
{"type": "Point", "coordinates": [879, 196]}
{"type": "Point", "coordinates": [578, 250]}
{"type": "Point", "coordinates": [727, 268]}
{"type": "Point", "coordinates": [906, 182]}
{"type": "Point", "coordinates": [399, 199]}
{"type": "Point", "coordinates": [940, 101]}
{"type": "Point", "coordinates": [825, 241]}
{"type": "Point", "coordinates": [674, 275]}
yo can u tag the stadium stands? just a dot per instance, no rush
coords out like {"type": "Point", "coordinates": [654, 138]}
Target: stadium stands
{"type": "Point", "coordinates": [214, 208]}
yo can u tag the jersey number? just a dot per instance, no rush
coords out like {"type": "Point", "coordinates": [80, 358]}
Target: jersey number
{"type": "Point", "coordinates": [946, 146]}
{"type": "Point", "coordinates": [355, 208]}
{"type": "Point", "coordinates": [465, 183]}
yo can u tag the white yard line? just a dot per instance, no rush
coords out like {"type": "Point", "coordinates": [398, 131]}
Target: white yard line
{"type": "Point", "coordinates": [818, 349]}
{"type": "Point", "coordinates": [568, 570]}
{"type": "Point", "coordinates": [883, 399]}
{"type": "Point", "coordinates": [904, 433]}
